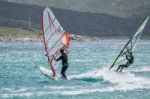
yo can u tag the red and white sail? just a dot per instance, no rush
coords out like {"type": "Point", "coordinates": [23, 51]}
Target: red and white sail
{"type": "Point", "coordinates": [54, 37]}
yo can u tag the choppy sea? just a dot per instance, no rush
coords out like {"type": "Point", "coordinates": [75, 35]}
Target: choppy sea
{"type": "Point", "coordinates": [88, 74]}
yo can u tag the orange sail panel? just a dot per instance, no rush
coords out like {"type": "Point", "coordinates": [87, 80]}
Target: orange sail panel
{"type": "Point", "coordinates": [54, 37]}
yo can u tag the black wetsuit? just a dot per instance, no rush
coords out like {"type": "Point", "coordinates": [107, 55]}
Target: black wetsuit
{"type": "Point", "coordinates": [64, 59]}
{"type": "Point", "coordinates": [130, 60]}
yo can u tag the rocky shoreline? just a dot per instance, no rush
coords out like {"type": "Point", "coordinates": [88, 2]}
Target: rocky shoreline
{"type": "Point", "coordinates": [81, 38]}
{"type": "Point", "coordinates": [19, 38]}
{"type": "Point", "coordinates": [35, 37]}
{"type": "Point", "coordinates": [18, 34]}
{"type": "Point", "coordinates": [39, 38]}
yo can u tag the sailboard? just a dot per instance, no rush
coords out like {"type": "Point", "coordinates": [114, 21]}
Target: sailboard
{"type": "Point", "coordinates": [130, 46]}
{"type": "Point", "coordinates": [54, 39]}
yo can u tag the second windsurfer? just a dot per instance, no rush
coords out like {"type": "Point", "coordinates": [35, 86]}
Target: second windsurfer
{"type": "Point", "coordinates": [130, 60]}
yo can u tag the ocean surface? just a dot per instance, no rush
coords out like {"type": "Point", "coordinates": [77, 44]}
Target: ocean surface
{"type": "Point", "coordinates": [88, 74]}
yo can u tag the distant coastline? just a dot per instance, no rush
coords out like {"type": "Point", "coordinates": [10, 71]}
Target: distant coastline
{"type": "Point", "coordinates": [72, 36]}
{"type": "Point", "coordinates": [39, 38]}
{"type": "Point", "coordinates": [17, 34]}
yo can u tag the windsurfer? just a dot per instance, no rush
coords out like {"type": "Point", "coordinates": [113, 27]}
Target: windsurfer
{"type": "Point", "coordinates": [130, 60]}
{"type": "Point", "coordinates": [64, 59]}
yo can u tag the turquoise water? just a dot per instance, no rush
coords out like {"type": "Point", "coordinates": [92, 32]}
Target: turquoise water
{"type": "Point", "coordinates": [89, 77]}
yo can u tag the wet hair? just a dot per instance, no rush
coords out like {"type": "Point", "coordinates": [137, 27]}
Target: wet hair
{"type": "Point", "coordinates": [130, 53]}
{"type": "Point", "coordinates": [61, 51]}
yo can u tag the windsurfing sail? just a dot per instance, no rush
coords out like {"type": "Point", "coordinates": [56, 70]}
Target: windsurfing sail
{"type": "Point", "coordinates": [130, 45]}
{"type": "Point", "coordinates": [54, 37]}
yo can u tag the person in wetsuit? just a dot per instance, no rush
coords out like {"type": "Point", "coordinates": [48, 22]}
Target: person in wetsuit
{"type": "Point", "coordinates": [130, 60]}
{"type": "Point", "coordinates": [64, 59]}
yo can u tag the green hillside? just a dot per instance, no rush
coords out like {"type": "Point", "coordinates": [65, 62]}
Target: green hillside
{"type": "Point", "coordinates": [122, 8]}
{"type": "Point", "coordinates": [82, 23]}
{"type": "Point", "coordinates": [18, 34]}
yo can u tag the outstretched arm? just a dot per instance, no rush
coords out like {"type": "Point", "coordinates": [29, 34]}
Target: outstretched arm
{"type": "Point", "coordinates": [57, 58]}
{"type": "Point", "coordinates": [127, 57]}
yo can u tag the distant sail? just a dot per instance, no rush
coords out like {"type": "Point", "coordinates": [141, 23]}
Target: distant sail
{"type": "Point", "coordinates": [54, 37]}
{"type": "Point", "coordinates": [130, 45]}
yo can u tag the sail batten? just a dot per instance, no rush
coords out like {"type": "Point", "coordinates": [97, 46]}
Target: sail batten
{"type": "Point", "coordinates": [130, 45]}
{"type": "Point", "coordinates": [55, 44]}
